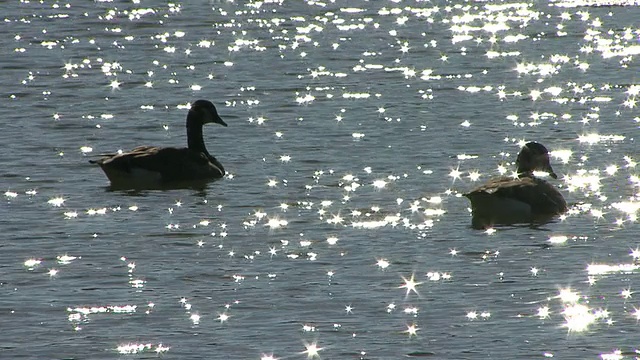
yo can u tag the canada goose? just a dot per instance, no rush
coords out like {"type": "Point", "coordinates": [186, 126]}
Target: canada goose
{"type": "Point", "coordinates": [160, 167]}
{"type": "Point", "coordinates": [525, 199]}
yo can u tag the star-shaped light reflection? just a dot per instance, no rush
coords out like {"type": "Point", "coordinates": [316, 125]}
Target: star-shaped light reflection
{"type": "Point", "coordinates": [223, 317]}
{"type": "Point", "coordinates": [410, 285]}
{"type": "Point", "coordinates": [543, 312]}
{"type": "Point", "coordinates": [312, 350]}
{"type": "Point", "coordinates": [455, 174]}
{"type": "Point", "coordinates": [412, 330]}
{"type": "Point", "coordinates": [272, 251]}
{"type": "Point", "coordinates": [115, 84]}
{"type": "Point", "coordinates": [474, 175]}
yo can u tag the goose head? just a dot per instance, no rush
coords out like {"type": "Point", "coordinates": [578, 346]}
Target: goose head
{"type": "Point", "coordinates": [534, 157]}
{"type": "Point", "coordinates": [203, 112]}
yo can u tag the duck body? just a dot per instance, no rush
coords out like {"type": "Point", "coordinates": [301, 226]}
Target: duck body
{"type": "Point", "coordinates": [165, 167]}
{"type": "Point", "coordinates": [523, 199]}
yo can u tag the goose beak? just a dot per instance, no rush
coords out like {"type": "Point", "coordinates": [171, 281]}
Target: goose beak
{"type": "Point", "coordinates": [549, 169]}
{"type": "Point", "coordinates": [220, 121]}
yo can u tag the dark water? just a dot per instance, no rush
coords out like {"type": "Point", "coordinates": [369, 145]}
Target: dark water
{"type": "Point", "coordinates": [353, 129]}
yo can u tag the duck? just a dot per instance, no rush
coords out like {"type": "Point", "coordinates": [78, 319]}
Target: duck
{"type": "Point", "coordinates": [521, 199]}
{"type": "Point", "coordinates": [162, 167]}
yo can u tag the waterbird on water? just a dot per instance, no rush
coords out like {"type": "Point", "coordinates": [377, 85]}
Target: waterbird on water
{"type": "Point", "coordinates": [525, 199]}
{"type": "Point", "coordinates": [165, 167]}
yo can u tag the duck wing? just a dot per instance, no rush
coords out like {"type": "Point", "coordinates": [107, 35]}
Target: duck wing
{"type": "Point", "coordinates": [543, 197]}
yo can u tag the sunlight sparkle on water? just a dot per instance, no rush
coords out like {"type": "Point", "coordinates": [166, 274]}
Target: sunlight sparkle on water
{"type": "Point", "coordinates": [332, 240]}
{"type": "Point", "coordinates": [543, 312]}
{"type": "Point", "coordinates": [412, 330]}
{"type": "Point", "coordinates": [312, 350]}
{"type": "Point", "coordinates": [379, 184]}
{"type": "Point", "coordinates": [568, 296]}
{"type": "Point", "coordinates": [223, 317]}
{"type": "Point", "coordinates": [474, 175]}
{"type": "Point", "coordinates": [437, 276]}
{"type": "Point", "coordinates": [602, 269]}
{"type": "Point", "coordinates": [65, 259]}
{"type": "Point", "coordinates": [137, 348]}
{"type": "Point", "coordinates": [382, 263]}
{"type": "Point", "coordinates": [410, 284]}
{"type": "Point", "coordinates": [615, 355]}
{"type": "Point", "coordinates": [630, 208]}
{"type": "Point", "coordinates": [594, 138]}
{"type": "Point", "coordinates": [579, 317]}
{"type": "Point", "coordinates": [455, 174]}
{"type": "Point", "coordinates": [558, 239]}
{"type": "Point", "coordinates": [562, 155]}
{"type": "Point", "coordinates": [56, 201]}
{"type": "Point", "coordinates": [411, 310]}
{"type": "Point", "coordinates": [583, 180]}
{"type": "Point", "coordinates": [32, 263]}
{"type": "Point", "coordinates": [534, 271]}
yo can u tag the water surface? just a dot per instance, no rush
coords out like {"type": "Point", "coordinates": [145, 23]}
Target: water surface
{"type": "Point", "coordinates": [340, 230]}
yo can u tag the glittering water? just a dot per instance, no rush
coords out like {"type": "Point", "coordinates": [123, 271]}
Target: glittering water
{"type": "Point", "coordinates": [340, 230]}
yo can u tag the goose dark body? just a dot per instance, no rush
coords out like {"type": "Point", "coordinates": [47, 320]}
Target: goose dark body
{"type": "Point", "coordinates": [525, 199]}
{"type": "Point", "coordinates": [154, 167]}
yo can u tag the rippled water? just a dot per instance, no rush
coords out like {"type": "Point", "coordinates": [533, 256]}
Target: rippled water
{"type": "Point", "coordinates": [340, 230]}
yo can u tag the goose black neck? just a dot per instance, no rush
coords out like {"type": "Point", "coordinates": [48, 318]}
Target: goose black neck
{"type": "Point", "coordinates": [195, 141]}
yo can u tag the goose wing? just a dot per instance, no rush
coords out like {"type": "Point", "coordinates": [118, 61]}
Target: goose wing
{"type": "Point", "coordinates": [172, 164]}
{"type": "Point", "coordinates": [543, 197]}
{"type": "Point", "coordinates": [106, 157]}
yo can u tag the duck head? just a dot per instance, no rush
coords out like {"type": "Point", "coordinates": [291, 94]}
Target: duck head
{"type": "Point", "coordinates": [534, 157]}
{"type": "Point", "coordinates": [204, 112]}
